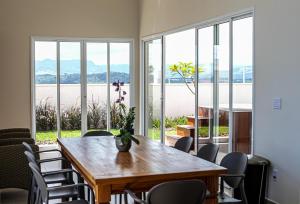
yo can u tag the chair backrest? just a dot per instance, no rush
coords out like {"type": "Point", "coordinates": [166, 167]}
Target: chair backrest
{"type": "Point", "coordinates": [178, 192]}
{"type": "Point", "coordinates": [209, 152]}
{"type": "Point", "coordinates": [184, 144]}
{"type": "Point", "coordinates": [236, 163]}
{"type": "Point", "coordinates": [28, 147]}
{"type": "Point", "coordinates": [97, 133]}
{"type": "Point", "coordinates": [31, 158]}
{"type": "Point", "coordinates": [40, 182]}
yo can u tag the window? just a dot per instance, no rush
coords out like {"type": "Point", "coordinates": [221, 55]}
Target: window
{"type": "Point", "coordinates": [207, 94]}
{"type": "Point", "coordinates": [78, 86]}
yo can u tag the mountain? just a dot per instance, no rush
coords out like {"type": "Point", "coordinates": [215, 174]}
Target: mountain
{"type": "Point", "coordinates": [48, 66]}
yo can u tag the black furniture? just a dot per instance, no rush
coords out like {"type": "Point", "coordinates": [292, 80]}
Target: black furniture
{"type": "Point", "coordinates": [45, 193]}
{"type": "Point", "coordinates": [208, 152]}
{"type": "Point", "coordinates": [174, 192]}
{"type": "Point", "coordinates": [255, 179]}
{"type": "Point", "coordinates": [236, 163]}
{"type": "Point", "coordinates": [62, 176]}
{"type": "Point", "coordinates": [184, 144]}
{"type": "Point", "coordinates": [97, 133]}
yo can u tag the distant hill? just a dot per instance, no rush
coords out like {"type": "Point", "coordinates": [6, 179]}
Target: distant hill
{"type": "Point", "coordinates": [70, 73]}
{"type": "Point", "coordinates": [48, 66]}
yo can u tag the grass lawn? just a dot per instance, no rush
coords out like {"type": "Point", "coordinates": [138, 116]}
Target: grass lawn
{"type": "Point", "coordinates": [45, 137]}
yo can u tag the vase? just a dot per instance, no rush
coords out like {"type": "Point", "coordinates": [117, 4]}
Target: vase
{"type": "Point", "coordinates": [122, 146]}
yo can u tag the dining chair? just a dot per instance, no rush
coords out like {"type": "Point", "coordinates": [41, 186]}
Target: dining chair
{"type": "Point", "coordinates": [62, 176]}
{"type": "Point", "coordinates": [46, 193]}
{"type": "Point", "coordinates": [236, 164]}
{"type": "Point", "coordinates": [184, 144]}
{"type": "Point", "coordinates": [97, 133]}
{"type": "Point", "coordinates": [175, 192]}
{"type": "Point", "coordinates": [208, 152]}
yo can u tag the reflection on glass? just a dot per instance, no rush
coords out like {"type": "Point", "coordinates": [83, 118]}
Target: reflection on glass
{"type": "Point", "coordinates": [153, 67]}
{"type": "Point", "coordinates": [70, 101]}
{"type": "Point", "coordinates": [45, 91]}
{"type": "Point", "coordinates": [205, 83]}
{"type": "Point", "coordinates": [96, 54]}
{"type": "Point", "coordinates": [119, 81]}
{"type": "Point", "coordinates": [222, 113]}
{"type": "Point", "coordinates": [179, 86]}
{"type": "Point", "coordinates": [242, 84]}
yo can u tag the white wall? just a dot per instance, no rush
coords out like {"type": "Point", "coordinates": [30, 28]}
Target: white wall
{"type": "Point", "coordinates": [21, 19]}
{"type": "Point", "coordinates": [277, 74]}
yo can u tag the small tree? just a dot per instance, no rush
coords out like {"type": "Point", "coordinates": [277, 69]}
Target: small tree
{"type": "Point", "coordinates": [187, 71]}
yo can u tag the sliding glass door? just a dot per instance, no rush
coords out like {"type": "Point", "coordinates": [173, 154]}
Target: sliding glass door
{"type": "Point", "coordinates": [153, 88]}
{"type": "Point", "coordinates": [205, 84]}
{"type": "Point", "coordinates": [78, 86]}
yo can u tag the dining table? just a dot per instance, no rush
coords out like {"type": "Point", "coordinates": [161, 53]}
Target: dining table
{"type": "Point", "coordinates": [147, 164]}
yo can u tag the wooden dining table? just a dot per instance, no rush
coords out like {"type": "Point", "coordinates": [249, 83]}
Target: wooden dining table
{"type": "Point", "coordinates": [110, 172]}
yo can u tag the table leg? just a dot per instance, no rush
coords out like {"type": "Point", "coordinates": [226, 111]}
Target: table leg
{"type": "Point", "coordinates": [102, 194]}
{"type": "Point", "coordinates": [213, 186]}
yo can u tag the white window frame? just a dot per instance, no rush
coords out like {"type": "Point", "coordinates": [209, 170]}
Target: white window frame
{"type": "Point", "coordinates": [83, 76]}
{"type": "Point", "coordinates": [250, 12]}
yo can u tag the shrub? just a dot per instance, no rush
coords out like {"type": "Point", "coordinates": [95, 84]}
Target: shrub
{"type": "Point", "coordinates": [71, 118]}
{"type": "Point", "coordinates": [96, 117]}
{"type": "Point", "coordinates": [45, 116]}
{"type": "Point", "coordinates": [156, 123]}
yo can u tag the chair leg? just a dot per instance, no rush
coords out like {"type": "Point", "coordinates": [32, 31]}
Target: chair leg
{"type": "Point", "coordinates": [126, 198]}
{"type": "Point", "coordinates": [120, 198]}
{"type": "Point", "coordinates": [242, 189]}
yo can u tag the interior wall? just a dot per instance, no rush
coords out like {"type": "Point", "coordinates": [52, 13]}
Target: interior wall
{"type": "Point", "coordinates": [19, 20]}
{"type": "Point", "coordinates": [276, 75]}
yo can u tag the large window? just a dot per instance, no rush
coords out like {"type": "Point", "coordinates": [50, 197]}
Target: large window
{"type": "Point", "coordinates": [78, 86]}
{"type": "Point", "coordinates": [204, 77]}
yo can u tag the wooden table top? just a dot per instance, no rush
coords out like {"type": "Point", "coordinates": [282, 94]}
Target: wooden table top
{"type": "Point", "coordinates": [100, 160]}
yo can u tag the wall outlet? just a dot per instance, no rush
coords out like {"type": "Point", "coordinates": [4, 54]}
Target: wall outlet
{"type": "Point", "coordinates": [275, 175]}
{"type": "Point", "coordinates": [276, 104]}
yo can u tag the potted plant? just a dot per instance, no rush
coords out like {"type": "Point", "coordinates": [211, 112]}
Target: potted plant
{"type": "Point", "coordinates": [125, 138]}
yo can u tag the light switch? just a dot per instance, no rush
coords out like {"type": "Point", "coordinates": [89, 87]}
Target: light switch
{"type": "Point", "coordinates": [276, 103]}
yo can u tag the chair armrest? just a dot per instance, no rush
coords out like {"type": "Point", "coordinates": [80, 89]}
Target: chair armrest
{"type": "Point", "coordinates": [134, 197]}
{"type": "Point", "coordinates": [62, 171]}
{"type": "Point", "coordinates": [233, 175]}
{"type": "Point", "coordinates": [73, 186]}
{"type": "Point", "coordinates": [51, 160]}
{"type": "Point", "coordinates": [50, 150]}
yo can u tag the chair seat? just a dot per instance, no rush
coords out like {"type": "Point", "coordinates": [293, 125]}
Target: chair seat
{"type": "Point", "coordinates": [55, 178]}
{"type": "Point", "coordinates": [63, 193]}
{"type": "Point", "coordinates": [76, 202]}
{"type": "Point", "coordinates": [227, 199]}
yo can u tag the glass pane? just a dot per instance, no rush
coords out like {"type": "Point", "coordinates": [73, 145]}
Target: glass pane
{"type": "Point", "coordinates": [222, 121]}
{"type": "Point", "coordinates": [70, 89]}
{"type": "Point", "coordinates": [153, 67]}
{"type": "Point", "coordinates": [45, 91]}
{"type": "Point", "coordinates": [120, 81]}
{"type": "Point", "coordinates": [205, 83]}
{"type": "Point", "coordinates": [242, 84]}
{"type": "Point", "coordinates": [179, 86]}
{"type": "Point", "coordinates": [96, 54]}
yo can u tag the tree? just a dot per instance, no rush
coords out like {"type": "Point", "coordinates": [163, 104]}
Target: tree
{"type": "Point", "coordinates": [187, 71]}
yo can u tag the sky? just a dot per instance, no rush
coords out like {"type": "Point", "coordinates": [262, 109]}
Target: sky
{"type": "Point", "coordinates": [180, 46]}
{"type": "Point", "coordinates": [96, 52]}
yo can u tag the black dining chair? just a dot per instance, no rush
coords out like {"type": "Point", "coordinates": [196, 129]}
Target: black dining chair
{"type": "Point", "coordinates": [62, 176]}
{"type": "Point", "coordinates": [97, 133]}
{"type": "Point", "coordinates": [184, 144]}
{"type": "Point", "coordinates": [46, 193]}
{"type": "Point", "coordinates": [174, 192]}
{"type": "Point", "coordinates": [236, 164]}
{"type": "Point", "coordinates": [208, 152]}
